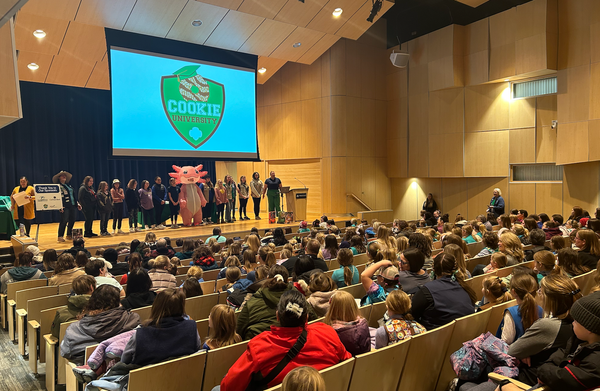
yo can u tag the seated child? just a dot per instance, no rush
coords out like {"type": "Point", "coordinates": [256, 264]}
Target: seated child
{"type": "Point", "coordinates": [221, 323]}
{"type": "Point", "coordinates": [400, 324]}
{"type": "Point", "coordinates": [498, 261]}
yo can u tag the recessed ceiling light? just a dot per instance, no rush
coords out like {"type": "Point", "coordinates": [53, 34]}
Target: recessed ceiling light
{"type": "Point", "coordinates": [196, 23]}
{"type": "Point", "coordinates": [33, 66]}
{"type": "Point", "coordinates": [297, 44]}
{"type": "Point", "coordinates": [39, 33]}
{"type": "Point", "coordinates": [337, 12]}
{"type": "Point", "coordinates": [262, 70]}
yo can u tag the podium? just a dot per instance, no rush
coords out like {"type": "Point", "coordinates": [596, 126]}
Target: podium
{"type": "Point", "coordinates": [20, 243]}
{"type": "Point", "coordinates": [296, 202]}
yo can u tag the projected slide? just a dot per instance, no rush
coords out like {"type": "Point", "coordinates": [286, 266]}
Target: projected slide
{"type": "Point", "coordinates": [166, 106]}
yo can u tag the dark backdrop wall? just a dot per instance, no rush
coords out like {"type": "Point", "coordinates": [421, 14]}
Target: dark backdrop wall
{"type": "Point", "coordinates": [69, 128]}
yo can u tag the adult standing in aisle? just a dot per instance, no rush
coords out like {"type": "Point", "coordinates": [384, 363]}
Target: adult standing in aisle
{"type": "Point", "coordinates": [497, 203]}
{"type": "Point", "coordinates": [87, 199]}
{"type": "Point", "coordinates": [272, 188]}
{"type": "Point", "coordinates": [159, 195]}
{"type": "Point", "coordinates": [24, 214]}
{"type": "Point", "coordinates": [117, 196]}
{"type": "Point", "coordinates": [70, 205]}
{"type": "Point", "coordinates": [256, 190]}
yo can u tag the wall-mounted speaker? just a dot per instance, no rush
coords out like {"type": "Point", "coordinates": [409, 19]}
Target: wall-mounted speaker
{"type": "Point", "coordinates": [399, 60]}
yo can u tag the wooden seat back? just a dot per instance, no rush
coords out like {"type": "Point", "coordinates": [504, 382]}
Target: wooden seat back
{"type": "Point", "coordinates": [13, 287]}
{"type": "Point", "coordinates": [202, 326]}
{"type": "Point", "coordinates": [23, 296]}
{"type": "Point", "coordinates": [475, 282]}
{"type": "Point", "coordinates": [199, 307]}
{"type": "Point", "coordinates": [392, 357]}
{"type": "Point", "coordinates": [505, 271]}
{"type": "Point", "coordinates": [46, 318]}
{"type": "Point", "coordinates": [590, 283]}
{"type": "Point", "coordinates": [182, 373]}
{"type": "Point", "coordinates": [64, 289]}
{"type": "Point", "coordinates": [211, 275]}
{"type": "Point", "coordinates": [582, 281]}
{"type": "Point", "coordinates": [365, 311]}
{"type": "Point", "coordinates": [356, 290]}
{"type": "Point", "coordinates": [377, 313]}
{"type": "Point", "coordinates": [218, 362]}
{"type": "Point", "coordinates": [35, 307]}
{"type": "Point", "coordinates": [426, 354]}
{"type": "Point", "coordinates": [361, 259]}
{"type": "Point", "coordinates": [337, 377]}
{"type": "Point", "coordinates": [179, 279]}
{"type": "Point", "coordinates": [475, 248]}
{"type": "Point", "coordinates": [208, 286]}
{"type": "Point", "coordinates": [465, 329]}
{"type": "Point", "coordinates": [496, 315]}
{"type": "Point", "coordinates": [472, 262]}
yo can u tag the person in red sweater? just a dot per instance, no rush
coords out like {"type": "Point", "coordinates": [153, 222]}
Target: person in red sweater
{"type": "Point", "coordinates": [322, 348]}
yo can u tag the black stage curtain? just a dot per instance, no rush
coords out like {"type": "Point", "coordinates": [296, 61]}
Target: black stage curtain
{"type": "Point", "coordinates": [69, 128]}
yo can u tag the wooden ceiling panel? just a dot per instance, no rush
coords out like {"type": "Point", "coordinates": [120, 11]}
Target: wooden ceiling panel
{"type": "Point", "coordinates": [85, 42]}
{"type": "Point", "coordinates": [99, 78]}
{"type": "Point", "coordinates": [38, 75]}
{"type": "Point", "coordinates": [68, 70]}
{"type": "Point", "coordinates": [272, 65]}
{"type": "Point", "coordinates": [27, 23]}
{"type": "Point", "coordinates": [267, 37]}
{"type": "Point", "coordinates": [58, 9]}
{"type": "Point", "coordinates": [265, 8]}
{"type": "Point", "coordinates": [319, 48]}
{"type": "Point", "coordinates": [210, 16]}
{"type": "Point", "coordinates": [358, 24]}
{"type": "Point", "coordinates": [307, 38]}
{"type": "Point", "coordinates": [234, 30]}
{"type": "Point", "coordinates": [298, 13]}
{"type": "Point", "coordinates": [154, 17]}
{"type": "Point", "coordinates": [231, 4]}
{"type": "Point", "coordinates": [325, 21]}
{"type": "Point", "coordinates": [106, 13]}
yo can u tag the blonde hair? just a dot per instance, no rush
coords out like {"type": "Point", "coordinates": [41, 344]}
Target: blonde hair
{"type": "Point", "coordinates": [401, 243]}
{"type": "Point", "coordinates": [459, 255]}
{"type": "Point", "coordinates": [150, 237]}
{"type": "Point", "coordinates": [591, 241]}
{"type": "Point", "coordinates": [222, 333]}
{"type": "Point", "coordinates": [399, 303]}
{"type": "Point", "coordinates": [520, 230]}
{"type": "Point", "coordinates": [195, 272]}
{"type": "Point", "coordinates": [161, 261]}
{"type": "Point", "coordinates": [512, 246]}
{"type": "Point", "coordinates": [253, 243]}
{"type": "Point", "coordinates": [303, 379]}
{"type": "Point", "coordinates": [232, 260]}
{"type": "Point", "coordinates": [342, 308]}
{"type": "Point", "coordinates": [497, 289]}
{"type": "Point", "coordinates": [267, 256]}
{"type": "Point", "coordinates": [346, 260]}
{"type": "Point", "coordinates": [500, 259]}
{"type": "Point", "coordinates": [383, 236]}
{"type": "Point", "coordinates": [560, 292]}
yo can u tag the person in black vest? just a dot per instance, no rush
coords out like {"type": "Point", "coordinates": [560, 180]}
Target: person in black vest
{"type": "Point", "coordinates": [167, 334]}
{"type": "Point", "coordinates": [159, 195]}
{"type": "Point", "coordinates": [70, 205]}
{"type": "Point", "coordinates": [87, 199]}
{"type": "Point", "coordinates": [444, 299]}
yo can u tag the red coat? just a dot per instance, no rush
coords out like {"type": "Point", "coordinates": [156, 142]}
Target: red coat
{"type": "Point", "coordinates": [323, 349]}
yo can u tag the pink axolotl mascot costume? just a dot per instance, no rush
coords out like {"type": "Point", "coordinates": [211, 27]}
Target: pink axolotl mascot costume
{"type": "Point", "coordinates": [191, 198]}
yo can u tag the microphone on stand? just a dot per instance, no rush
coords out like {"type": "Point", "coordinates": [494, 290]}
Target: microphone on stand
{"type": "Point", "coordinates": [301, 182]}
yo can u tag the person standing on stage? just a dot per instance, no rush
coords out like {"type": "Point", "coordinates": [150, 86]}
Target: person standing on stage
{"type": "Point", "coordinates": [132, 199]}
{"type": "Point", "coordinates": [221, 200]}
{"type": "Point", "coordinates": [497, 203]}
{"type": "Point", "coordinates": [24, 214]}
{"type": "Point", "coordinates": [173, 194]}
{"type": "Point", "coordinates": [87, 199]}
{"type": "Point", "coordinates": [70, 205]}
{"type": "Point", "coordinates": [272, 188]}
{"type": "Point", "coordinates": [243, 191]}
{"type": "Point", "coordinates": [256, 189]}
{"type": "Point", "coordinates": [117, 196]}
{"type": "Point", "coordinates": [105, 206]}
{"type": "Point", "coordinates": [159, 195]}
{"type": "Point", "coordinates": [231, 193]}
{"type": "Point", "coordinates": [208, 189]}
{"type": "Point", "coordinates": [147, 205]}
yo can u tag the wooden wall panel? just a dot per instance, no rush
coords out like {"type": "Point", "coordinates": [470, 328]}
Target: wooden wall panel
{"type": "Point", "coordinates": [446, 111]}
{"type": "Point", "coordinates": [397, 157]}
{"type": "Point", "coordinates": [595, 91]}
{"type": "Point", "coordinates": [334, 185]}
{"type": "Point", "coordinates": [418, 49]}
{"type": "Point", "coordinates": [476, 52]}
{"type": "Point", "coordinates": [480, 191]}
{"type": "Point", "coordinates": [545, 143]}
{"type": "Point", "coordinates": [311, 80]}
{"type": "Point", "coordinates": [521, 113]}
{"type": "Point", "coordinates": [290, 82]}
{"type": "Point", "coordinates": [397, 118]}
{"type": "Point", "coordinates": [272, 91]}
{"type": "Point", "coordinates": [595, 42]}
{"type": "Point", "coordinates": [418, 140]}
{"type": "Point", "coordinates": [353, 126]}
{"type": "Point", "coordinates": [486, 107]}
{"type": "Point", "coordinates": [455, 196]}
{"type": "Point", "coordinates": [312, 129]}
{"type": "Point", "coordinates": [522, 146]}
{"type": "Point", "coordinates": [337, 67]}
{"type": "Point", "coordinates": [593, 140]}
{"type": "Point", "coordinates": [290, 135]}
{"type": "Point", "coordinates": [272, 65]}
{"type": "Point", "coordinates": [418, 77]}
{"type": "Point", "coordinates": [548, 198]}
{"type": "Point", "coordinates": [337, 124]}
{"type": "Point", "coordinates": [574, 94]}
{"type": "Point", "coordinates": [489, 145]}
{"type": "Point", "coordinates": [382, 185]}
{"type": "Point", "coordinates": [574, 33]}
{"type": "Point", "coordinates": [572, 143]}
{"type": "Point", "coordinates": [546, 110]}
{"type": "Point", "coordinates": [446, 156]}
{"type": "Point", "coordinates": [522, 196]}
{"type": "Point", "coordinates": [445, 57]}
{"type": "Point", "coordinates": [580, 186]}
{"type": "Point", "coordinates": [502, 44]}
{"type": "Point", "coordinates": [10, 95]}
{"type": "Point", "coordinates": [352, 64]}
{"type": "Point", "coordinates": [307, 171]}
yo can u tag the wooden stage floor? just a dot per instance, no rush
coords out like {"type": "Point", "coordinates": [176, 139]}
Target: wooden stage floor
{"type": "Point", "coordinates": [48, 233]}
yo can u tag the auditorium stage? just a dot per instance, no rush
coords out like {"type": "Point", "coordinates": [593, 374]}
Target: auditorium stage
{"type": "Point", "coordinates": [48, 233]}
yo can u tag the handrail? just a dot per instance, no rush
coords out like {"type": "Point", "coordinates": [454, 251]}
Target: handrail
{"type": "Point", "coordinates": [359, 200]}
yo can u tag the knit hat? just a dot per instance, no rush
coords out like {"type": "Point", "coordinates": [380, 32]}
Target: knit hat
{"type": "Point", "coordinates": [586, 312]}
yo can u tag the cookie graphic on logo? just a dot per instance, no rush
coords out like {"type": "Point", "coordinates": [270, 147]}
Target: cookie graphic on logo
{"type": "Point", "coordinates": [194, 105]}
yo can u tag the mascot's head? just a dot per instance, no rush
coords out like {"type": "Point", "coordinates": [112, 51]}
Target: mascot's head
{"type": "Point", "coordinates": [188, 174]}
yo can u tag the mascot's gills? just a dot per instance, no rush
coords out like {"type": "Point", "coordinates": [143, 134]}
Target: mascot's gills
{"type": "Point", "coordinates": [191, 199]}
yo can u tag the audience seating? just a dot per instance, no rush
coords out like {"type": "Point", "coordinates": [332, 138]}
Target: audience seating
{"type": "Point", "coordinates": [9, 299]}
{"type": "Point", "coordinates": [218, 362]}
{"type": "Point", "coordinates": [497, 314]}
{"type": "Point", "coordinates": [35, 308]}
{"type": "Point", "coordinates": [472, 262]}
{"type": "Point", "coordinates": [177, 374]}
{"type": "Point", "coordinates": [367, 374]}
{"type": "Point", "coordinates": [377, 312]}
{"type": "Point", "coordinates": [21, 298]}
{"type": "Point", "coordinates": [585, 281]}
{"type": "Point", "coordinates": [498, 378]}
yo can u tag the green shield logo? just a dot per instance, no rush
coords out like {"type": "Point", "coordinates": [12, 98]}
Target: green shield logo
{"type": "Point", "coordinates": [194, 105]}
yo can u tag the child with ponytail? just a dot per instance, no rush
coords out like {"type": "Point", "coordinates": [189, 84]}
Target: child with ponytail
{"type": "Point", "coordinates": [494, 292]}
{"type": "Point", "coordinates": [545, 264]}
{"type": "Point", "coordinates": [347, 274]}
{"type": "Point", "coordinates": [374, 253]}
{"type": "Point", "coordinates": [267, 256]}
{"type": "Point", "coordinates": [517, 319]}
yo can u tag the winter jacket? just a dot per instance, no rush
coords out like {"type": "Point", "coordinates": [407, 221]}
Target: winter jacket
{"type": "Point", "coordinates": [259, 312]}
{"type": "Point", "coordinates": [322, 349]}
{"type": "Point", "coordinates": [66, 277]}
{"type": "Point", "coordinates": [173, 337]}
{"type": "Point", "coordinates": [355, 336]}
{"type": "Point", "coordinates": [587, 259]}
{"type": "Point", "coordinates": [575, 368]}
{"type": "Point", "coordinates": [162, 251]}
{"type": "Point", "coordinates": [550, 232]}
{"type": "Point", "coordinates": [320, 301]}
{"type": "Point", "coordinates": [119, 269]}
{"type": "Point", "coordinates": [75, 305]}
{"type": "Point", "coordinates": [93, 329]}
{"type": "Point", "coordinates": [109, 349]}
{"type": "Point", "coordinates": [105, 203]}
{"type": "Point", "coordinates": [184, 255]}
{"type": "Point", "coordinates": [132, 199]}
{"type": "Point", "coordinates": [162, 279]}
{"type": "Point", "coordinates": [20, 273]}
{"type": "Point", "coordinates": [138, 300]}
